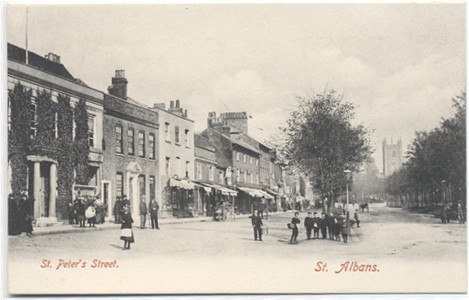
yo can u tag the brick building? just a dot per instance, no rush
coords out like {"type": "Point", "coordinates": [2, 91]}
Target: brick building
{"type": "Point", "coordinates": [131, 147]}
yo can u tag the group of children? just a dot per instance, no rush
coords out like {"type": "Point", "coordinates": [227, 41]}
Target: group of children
{"type": "Point", "coordinates": [330, 226]}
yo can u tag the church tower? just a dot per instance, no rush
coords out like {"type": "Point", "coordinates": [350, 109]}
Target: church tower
{"type": "Point", "coordinates": [392, 157]}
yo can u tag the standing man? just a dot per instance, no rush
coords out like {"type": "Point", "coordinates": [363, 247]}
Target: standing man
{"type": "Point", "coordinates": [117, 210]}
{"type": "Point", "coordinates": [309, 225]}
{"type": "Point", "coordinates": [27, 214]}
{"type": "Point", "coordinates": [256, 221]}
{"type": "Point", "coordinates": [154, 207]}
{"type": "Point", "coordinates": [143, 212]}
{"type": "Point", "coordinates": [294, 221]}
{"type": "Point", "coordinates": [355, 216]}
{"type": "Point", "coordinates": [316, 224]}
{"type": "Point", "coordinates": [330, 225]}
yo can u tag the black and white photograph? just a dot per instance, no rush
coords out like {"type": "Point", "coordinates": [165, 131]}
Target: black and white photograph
{"type": "Point", "coordinates": [175, 149]}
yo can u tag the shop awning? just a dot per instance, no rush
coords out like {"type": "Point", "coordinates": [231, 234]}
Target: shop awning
{"type": "Point", "coordinates": [207, 189]}
{"type": "Point", "coordinates": [267, 195]}
{"type": "Point", "coordinates": [271, 192]}
{"type": "Point", "coordinates": [222, 189]}
{"type": "Point", "coordinates": [252, 192]}
{"type": "Point", "coordinates": [183, 184]}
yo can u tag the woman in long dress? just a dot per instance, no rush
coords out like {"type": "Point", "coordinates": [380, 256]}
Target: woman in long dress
{"type": "Point", "coordinates": [127, 234]}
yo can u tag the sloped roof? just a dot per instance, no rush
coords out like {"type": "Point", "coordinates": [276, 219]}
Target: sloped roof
{"type": "Point", "coordinates": [238, 141]}
{"type": "Point", "coordinates": [202, 142]}
{"type": "Point", "coordinates": [223, 146]}
{"type": "Point", "coordinates": [42, 63]}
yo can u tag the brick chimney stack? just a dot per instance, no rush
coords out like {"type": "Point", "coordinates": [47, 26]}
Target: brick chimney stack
{"type": "Point", "coordinates": [119, 85]}
{"type": "Point", "coordinates": [175, 108]}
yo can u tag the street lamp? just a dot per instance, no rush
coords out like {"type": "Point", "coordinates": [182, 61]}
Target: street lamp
{"type": "Point", "coordinates": [348, 174]}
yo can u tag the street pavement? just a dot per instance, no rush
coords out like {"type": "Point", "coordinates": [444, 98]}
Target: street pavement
{"type": "Point", "coordinates": [412, 252]}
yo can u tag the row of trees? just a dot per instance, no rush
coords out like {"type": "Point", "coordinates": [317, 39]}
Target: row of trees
{"type": "Point", "coordinates": [435, 170]}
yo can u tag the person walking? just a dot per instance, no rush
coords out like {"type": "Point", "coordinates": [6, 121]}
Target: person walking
{"type": "Point", "coordinates": [316, 225]}
{"type": "Point", "coordinates": [346, 230]}
{"type": "Point", "coordinates": [443, 214]}
{"type": "Point", "coordinates": [143, 212]}
{"type": "Point", "coordinates": [127, 234]}
{"type": "Point", "coordinates": [117, 210]}
{"type": "Point", "coordinates": [294, 221]}
{"type": "Point", "coordinates": [154, 207]}
{"type": "Point", "coordinates": [355, 216]}
{"type": "Point", "coordinates": [309, 225]}
{"type": "Point", "coordinates": [256, 221]}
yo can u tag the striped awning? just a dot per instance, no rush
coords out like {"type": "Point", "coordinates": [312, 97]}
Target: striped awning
{"type": "Point", "coordinates": [224, 190]}
{"type": "Point", "coordinates": [183, 184]}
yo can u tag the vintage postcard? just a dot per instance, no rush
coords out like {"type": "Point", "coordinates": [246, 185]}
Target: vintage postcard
{"type": "Point", "coordinates": [236, 148]}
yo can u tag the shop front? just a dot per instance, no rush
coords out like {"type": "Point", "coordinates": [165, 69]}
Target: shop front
{"type": "Point", "coordinates": [179, 196]}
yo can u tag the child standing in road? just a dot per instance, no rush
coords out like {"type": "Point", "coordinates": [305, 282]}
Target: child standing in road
{"type": "Point", "coordinates": [126, 228]}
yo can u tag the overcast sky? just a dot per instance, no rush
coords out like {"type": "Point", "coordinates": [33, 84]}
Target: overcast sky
{"type": "Point", "coordinates": [400, 64]}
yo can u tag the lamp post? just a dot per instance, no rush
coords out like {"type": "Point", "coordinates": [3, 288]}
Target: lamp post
{"type": "Point", "coordinates": [233, 203]}
{"type": "Point", "coordinates": [347, 173]}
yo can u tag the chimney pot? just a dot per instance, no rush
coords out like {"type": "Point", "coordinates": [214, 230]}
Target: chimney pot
{"type": "Point", "coordinates": [120, 73]}
{"type": "Point", "coordinates": [177, 103]}
{"type": "Point", "coordinates": [171, 104]}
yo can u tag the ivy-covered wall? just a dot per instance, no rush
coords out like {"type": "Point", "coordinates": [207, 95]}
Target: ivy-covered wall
{"type": "Point", "coordinates": [18, 136]}
{"type": "Point", "coordinates": [52, 140]}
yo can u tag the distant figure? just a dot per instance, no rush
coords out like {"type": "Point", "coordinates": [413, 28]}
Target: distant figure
{"type": "Point", "coordinates": [71, 213]}
{"type": "Point", "coordinates": [154, 207]}
{"type": "Point", "coordinates": [461, 218]}
{"type": "Point", "coordinates": [346, 230]}
{"type": "Point", "coordinates": [81, 213]}
{"type": "Point", "coordinates": [336, 229]}
{"type": "Point", "coordinates": [308, 225]}
{"type": "Point", "coordinates": [355, 216]}
{"type": "Point", "coordinates": [126, 228]}
{"type": "Point", "coordinates": [447, 213]}
{"type": "Point", "coordinates": [143, 212]}
{"type": "Point", "coordinates": [117, 210]}
{"type": "Point", "coordinates": [256, 222]}
{"type": "Point", "coordinates": [14, 216]}
{"type": "Point", "coordinates": [330, 225]}
{"type": "Point", "coordinates": [294, 221]}
{"type": "Point", "coordinates": [26, 207]}
{"type": "Point", "coordinates": [316, 224]}
{"type": "Point", "coordinates": [323, 226]}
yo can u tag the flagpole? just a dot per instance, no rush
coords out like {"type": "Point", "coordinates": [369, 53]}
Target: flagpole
{"type": "Point", "coordinates": [26, 37]}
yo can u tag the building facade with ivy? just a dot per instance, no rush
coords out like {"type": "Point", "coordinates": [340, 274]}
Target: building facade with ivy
{"type": "Point", "coordinates": [54, 134]}
{"type": "Point", "coordinates": [131, 148]}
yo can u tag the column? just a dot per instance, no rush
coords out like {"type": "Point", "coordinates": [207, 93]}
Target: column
{"type": "Point", "coordinates": [53, 190]}
{"type": "Point", "coordinates": [37, 189]}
